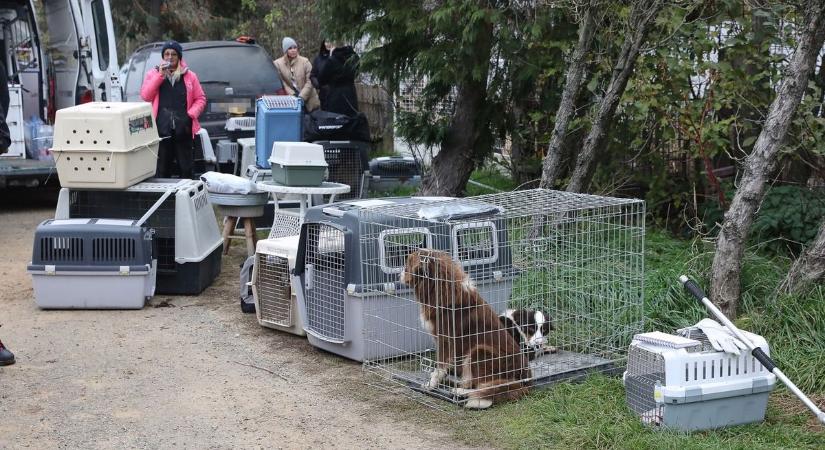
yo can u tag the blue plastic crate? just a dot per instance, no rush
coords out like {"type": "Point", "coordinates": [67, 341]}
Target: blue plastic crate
{"type": "Point", "coordinates": [277, 119]}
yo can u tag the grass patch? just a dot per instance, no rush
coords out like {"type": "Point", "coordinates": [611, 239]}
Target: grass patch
{"type": "Point", "coordinates": [593, 413]}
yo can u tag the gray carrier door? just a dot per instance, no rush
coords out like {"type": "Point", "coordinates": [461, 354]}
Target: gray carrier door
{"type": "Point", "coordinates": [325, 281]}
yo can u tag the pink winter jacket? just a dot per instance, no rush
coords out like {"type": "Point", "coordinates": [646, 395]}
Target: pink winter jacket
{"type": "Point", "coordinates": [195, 98]}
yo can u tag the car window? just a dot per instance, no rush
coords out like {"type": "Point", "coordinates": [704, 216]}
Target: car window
{"type": "Point", "coordinates": [248, 70]}
{"type": "Point", "coordinates": [136, 70]}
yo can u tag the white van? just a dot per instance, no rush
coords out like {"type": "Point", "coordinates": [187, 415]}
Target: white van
{"type": "Point", "coordinates": [61, 55]}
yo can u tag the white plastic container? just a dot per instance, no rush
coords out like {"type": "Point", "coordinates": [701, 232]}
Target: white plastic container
{"type": "Point", "coordinates": [684, 384]}
{"type": "Point", "coordinates": [276, 304]}
{"type": "Point", "coordinates": [103, 145]}
{"type": "Point", "coordinates": [297, 163]}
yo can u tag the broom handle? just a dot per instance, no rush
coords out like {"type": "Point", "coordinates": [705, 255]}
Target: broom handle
{"type": "Point", "coordinates": [756, 351]}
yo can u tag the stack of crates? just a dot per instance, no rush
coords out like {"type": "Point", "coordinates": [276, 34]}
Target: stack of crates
{"type": "Point", "coordinates": [105, 145]}
{"type": "Point", "coordinates": [188, 243]}
{"type": "Point", "coordinates": [92, 264]}
{"type": "Point", "coordinates": [229, 150]}
{"type": "Point", "coordinates": [277, 119]}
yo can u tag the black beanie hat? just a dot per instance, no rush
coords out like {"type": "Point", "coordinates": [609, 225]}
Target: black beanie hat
{"type": "Point", "coordinates": [174, 46]}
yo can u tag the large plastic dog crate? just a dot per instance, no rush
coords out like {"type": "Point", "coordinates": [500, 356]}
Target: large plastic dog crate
{"type": "Point", "coordinates": [105, 145]}
{"type": "Point", "coordinates": [683, 383]}
{"type": "Point", "coordinates": [390, 172]}
{"type": "Point", "coordinates": [188, 242]}
{"type": "Point", "coordinates": [576, 258]}
{"type": "Point", "coordinates": [275, 299]}
{"type": "Point", "coordinates": [350, 295]}
{"type": "Point", "coordinates": [347, 164]}
{"type": "Point", "coordinates": [277, 119]}
{"type": "Point", "coordinates": [92, 264]}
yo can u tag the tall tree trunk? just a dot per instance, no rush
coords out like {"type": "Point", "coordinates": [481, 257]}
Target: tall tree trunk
{"type": "Point", "coordinates": [642, 15]}
{"type": "Point", "coordinates": [567, 105]}
{"type": "Point", "coordinates": [466, 141]}
{"type": "Point", "coordinates": [727, 262]}
{"type": "Point", "coordinates": [809, 267]}
{"type": "Point", "coordinates": [153, 20]}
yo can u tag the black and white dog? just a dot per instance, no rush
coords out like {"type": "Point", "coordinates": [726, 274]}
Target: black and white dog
{"type": "Point", "coordinates": [530, 328]}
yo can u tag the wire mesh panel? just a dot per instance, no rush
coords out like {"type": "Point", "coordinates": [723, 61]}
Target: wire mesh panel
{"type": "Point", "coordinates": [274, 290]}
{"type": "Point", "coordinates": [325, 282]}
{"type": "Point", "coordinates": [499, 293]}
{"type": "Point", "coordinates": [346, 163]}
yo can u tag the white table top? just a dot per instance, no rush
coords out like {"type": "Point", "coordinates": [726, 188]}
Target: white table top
{"type": "Point", "coordinates": [325, 188]}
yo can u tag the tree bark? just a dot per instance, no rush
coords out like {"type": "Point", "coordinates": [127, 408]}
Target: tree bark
{"type": "Point", "coordinates": [464, 144]}
{"type": "Point", "coordinates": [642, 15]}
{"type": "Point", "coordinates": [153, 21]}
{"type": "Point", "coordinates": [727, 261]}
{"type": "Point", "coordinates": [567, 105]}
{"type": "Point", "coordinates": [808, 268]}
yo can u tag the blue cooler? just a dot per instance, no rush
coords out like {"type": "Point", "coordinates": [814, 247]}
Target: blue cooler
{"type": "Point", "coordinates": [277, 119]}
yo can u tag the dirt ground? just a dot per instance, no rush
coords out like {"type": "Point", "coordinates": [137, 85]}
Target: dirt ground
{"type": "Point", "coordinates": [178, 376]}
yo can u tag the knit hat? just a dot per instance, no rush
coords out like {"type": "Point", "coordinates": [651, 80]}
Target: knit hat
{"type": "Point", "coordinates": [288, 43]}
{"type": "Point", "coordinates": [174, 46]}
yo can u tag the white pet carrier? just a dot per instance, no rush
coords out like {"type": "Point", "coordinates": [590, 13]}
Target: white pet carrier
{"type": "Point", "coordinates": [105, 145]}
{"type": "Point", "coordinates": [275, 299]}
{"type": "Point", "coordinates": [92, 264]}
{"type": "Point", "coordinates": [683, 383]}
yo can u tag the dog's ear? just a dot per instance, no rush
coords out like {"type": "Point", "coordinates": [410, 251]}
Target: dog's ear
{"type": "Point", "coordinates": [548, 320]}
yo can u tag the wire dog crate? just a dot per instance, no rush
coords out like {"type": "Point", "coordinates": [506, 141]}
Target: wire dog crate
{"type": "Point", "coordinates": [573, 260]}
{"type": "Point", "coordinates": [683, 383]}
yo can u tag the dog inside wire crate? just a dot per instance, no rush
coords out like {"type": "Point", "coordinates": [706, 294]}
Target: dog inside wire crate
{"type": "Point", "coordinates": [475, 300]}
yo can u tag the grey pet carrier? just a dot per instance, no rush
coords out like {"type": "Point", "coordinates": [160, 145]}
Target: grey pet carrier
{"type": "Point", "coordinates": [390, 172]}
{"type": "Point", "coordinates": [187, 239]}
{"type": "Point", "coordinates": [350, 257]}
{"type": "Point", "coordinates": [92, 264]}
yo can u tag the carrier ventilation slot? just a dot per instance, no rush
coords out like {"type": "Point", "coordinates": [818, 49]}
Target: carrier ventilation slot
{"type": "Point", "coordinates": [61, 249]}
{"type": "Point", "coordinates": [200, 202]}
{"type": "Point", "coordinates": [113, 249]}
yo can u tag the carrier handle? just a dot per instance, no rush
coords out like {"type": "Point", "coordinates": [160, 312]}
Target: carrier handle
{"type": "Point", "coordinates": [756, 351]}
{"type": "Point", "coordinates": [155, 206]}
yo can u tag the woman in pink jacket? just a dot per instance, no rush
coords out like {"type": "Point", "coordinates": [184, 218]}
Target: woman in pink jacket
{"type": "Point", "coordinates": [177, 100]}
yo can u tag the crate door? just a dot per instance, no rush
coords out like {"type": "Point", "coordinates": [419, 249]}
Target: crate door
{"type": "Point", "coordinates": [325, 282]}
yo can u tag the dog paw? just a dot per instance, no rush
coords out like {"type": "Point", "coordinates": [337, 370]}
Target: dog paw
{"type": "Point", "coordinates": [462, 391]}
{"type": "Point", "coordinates": [478, 403]}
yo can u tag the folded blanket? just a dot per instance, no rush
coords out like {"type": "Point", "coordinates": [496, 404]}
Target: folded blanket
{"type": "Point", "coordinates": [224, 183]}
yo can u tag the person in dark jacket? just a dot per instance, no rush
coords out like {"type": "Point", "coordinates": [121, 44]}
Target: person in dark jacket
{"type": "Point", "coordinates": [318, 63]}
{"type": "Point", "coordinates": [339, 73]}
{"type": "Point", "coordinates": [177, 100]}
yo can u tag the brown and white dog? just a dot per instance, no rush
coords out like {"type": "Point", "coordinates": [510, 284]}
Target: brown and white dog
{"type": "Point", "coordinates": [470, 339]}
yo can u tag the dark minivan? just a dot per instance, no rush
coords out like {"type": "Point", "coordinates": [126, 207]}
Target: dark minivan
{"type": "Point", "coordinates": [233, 75]}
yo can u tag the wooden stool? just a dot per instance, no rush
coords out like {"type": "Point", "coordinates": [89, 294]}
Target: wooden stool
{"type": "Point", "coordinates": [229, 224]}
